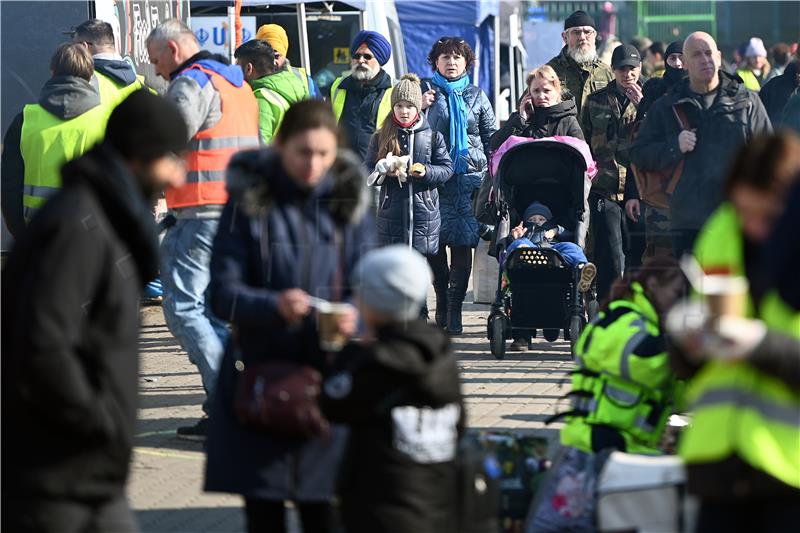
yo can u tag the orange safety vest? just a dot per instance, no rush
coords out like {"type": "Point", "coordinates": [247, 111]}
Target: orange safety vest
{"type": "Point", "coordinates": [211, 149]}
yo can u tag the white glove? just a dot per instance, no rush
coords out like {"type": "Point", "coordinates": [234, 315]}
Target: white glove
{"type": "Point", "coordinates": [384, 165]}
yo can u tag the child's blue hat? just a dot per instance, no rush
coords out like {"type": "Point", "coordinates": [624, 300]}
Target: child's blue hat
{"type": "Point", "coordinates": [537, 208]}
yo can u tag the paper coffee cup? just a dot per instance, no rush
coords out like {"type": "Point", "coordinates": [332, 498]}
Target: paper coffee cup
{"type": "Point", "coordinates": [330, 338]}
{"type": "Point", "coordinates": [725, 295]}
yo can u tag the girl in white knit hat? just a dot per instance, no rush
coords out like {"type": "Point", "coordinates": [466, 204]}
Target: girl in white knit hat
{"type": "Point", "coordinates": [409, 160]}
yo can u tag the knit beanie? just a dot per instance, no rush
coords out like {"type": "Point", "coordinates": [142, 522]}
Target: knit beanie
{"type": "Point", "coordinates": [408, 90]}
{"type": "Point", "coordinates": [537, 208]}
{"type": "Point", "coordinates": [376, 43]}
{"type": "Point", "coordinates": [276, 36]}
{"type": "Point", "coordinates": [675, 47]}
{"type": "Point", "coordinates": [755, 48]}
{"type": "Point", "coordinates": [579, 18]}
{"type": "Point", "coordinates": [393, 281]}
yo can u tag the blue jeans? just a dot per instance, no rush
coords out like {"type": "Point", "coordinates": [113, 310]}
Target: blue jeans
{"type": "Point", "coordinates": [572, 253]}
{"type": "Point", "coordinates": [185, 260]}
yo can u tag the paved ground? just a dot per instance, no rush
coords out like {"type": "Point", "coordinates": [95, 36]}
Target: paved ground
{"type": "Point", "coordinates": [516, 394]}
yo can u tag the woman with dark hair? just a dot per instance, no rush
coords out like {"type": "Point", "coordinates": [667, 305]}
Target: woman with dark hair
{"type": "Point", "coordinates": [292, 231]}
{"type": "Point", "coordinates": [462, 113]}
{"type": "Point", "coordinates": [742, 449]}
{"type": "Point", "coordinates": [625, 350]}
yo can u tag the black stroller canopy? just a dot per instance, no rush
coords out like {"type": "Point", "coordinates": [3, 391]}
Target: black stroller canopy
{"type": "Point", "coordinates": [549, 172]}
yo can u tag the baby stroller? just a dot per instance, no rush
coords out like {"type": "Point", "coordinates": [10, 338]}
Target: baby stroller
{"type": "Point", "coordinates": [557, 172]}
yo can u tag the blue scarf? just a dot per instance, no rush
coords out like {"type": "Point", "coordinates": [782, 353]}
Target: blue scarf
{"type": "Point", "coordinates": [459, 142]}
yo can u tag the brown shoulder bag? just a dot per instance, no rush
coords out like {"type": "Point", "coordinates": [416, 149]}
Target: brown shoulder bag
{"type": "Point", "coordinates": [656, 186]}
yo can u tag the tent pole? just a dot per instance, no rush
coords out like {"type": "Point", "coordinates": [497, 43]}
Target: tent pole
{"type": "Point", "coordinates": [476, 67]}
{"type": "Point", "coordinates": [302, 33]}
{"type": "Point", "coordinates": [496, 72]}
{"type": "Point", "coordinates": [512, 69]}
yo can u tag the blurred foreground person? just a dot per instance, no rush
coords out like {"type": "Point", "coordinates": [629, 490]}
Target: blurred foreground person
{"type": "Point", "coordinates": [743, 446]}
{"type": "Point", "coordinates": [399, 392]}
{"type": "Point", "coordinates": [291, 233]}
{"type": "Point", "coordinates": [70, 321]}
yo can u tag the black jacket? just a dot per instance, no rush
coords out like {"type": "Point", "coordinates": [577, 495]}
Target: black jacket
{"type": "Point", "coordinates": [735, 116]}
{"type": "Point", "coordinates": [401, 397]}
{"type": "Point", "coordinates": [655, 88]}
{"type": "Point", "coordinates": [560, 119]}
{"type": "Point", "coordinates": [777, 92]}
{"type": "Point", "coordinates": [392, 222]}
{"type": "Point", "coordinates": [360, 112]}
{"type": "Point", "coordinates": [70, 322]}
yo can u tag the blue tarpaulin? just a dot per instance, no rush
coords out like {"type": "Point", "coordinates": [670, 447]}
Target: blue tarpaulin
{"type": "Point", "coordinates": [423, 23]}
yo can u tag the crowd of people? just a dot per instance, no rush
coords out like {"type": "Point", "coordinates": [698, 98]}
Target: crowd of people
{"type": "Point", "coordinates": [272, 221]}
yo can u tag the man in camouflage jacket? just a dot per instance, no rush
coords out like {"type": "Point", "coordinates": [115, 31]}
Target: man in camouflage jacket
{"type": "Point", "coordinates": [607, 120]}
{"type": "Point", "coordinates": [578, 66]}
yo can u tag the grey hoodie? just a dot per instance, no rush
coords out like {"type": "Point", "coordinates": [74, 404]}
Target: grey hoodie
{"type": "Point", "coordinates": [68, 96]}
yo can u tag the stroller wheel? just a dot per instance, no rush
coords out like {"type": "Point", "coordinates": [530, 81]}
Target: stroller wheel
{"type": "Point", "coordinates": [551, 335]}
{"type": "Point", "coordinates": [498, 341]}
{"type": "Point", "coordinates": [576, 324]}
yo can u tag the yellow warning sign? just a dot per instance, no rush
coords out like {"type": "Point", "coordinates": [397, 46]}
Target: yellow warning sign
{"type": "Point", "coordinates": [341, 56]}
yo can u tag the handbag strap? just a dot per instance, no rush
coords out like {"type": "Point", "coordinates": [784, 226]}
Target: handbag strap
{"type": "Point", "coordinates": [338, 275]}
{"type": "Point", "coordinates": [683, 121]}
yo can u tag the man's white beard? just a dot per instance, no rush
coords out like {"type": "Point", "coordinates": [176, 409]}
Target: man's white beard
{"type": "Point", "coordinates": [364, 74]}
{"type": "Point", "coordinates": [580, 56]}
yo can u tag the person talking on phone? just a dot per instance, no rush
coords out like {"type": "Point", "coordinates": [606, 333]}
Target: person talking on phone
{"type": "Point", "coordinates": [544, 111]}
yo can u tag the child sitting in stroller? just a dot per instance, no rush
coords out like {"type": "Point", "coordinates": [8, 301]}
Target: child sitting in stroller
{"type": "Point", "coordinates": [534, 231]}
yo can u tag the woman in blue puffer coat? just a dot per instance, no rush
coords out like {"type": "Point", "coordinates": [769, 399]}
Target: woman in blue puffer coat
{"type": "Point", "coordinates": [463, 114]}
{"type": "Point", "coordinates": [406, 132]}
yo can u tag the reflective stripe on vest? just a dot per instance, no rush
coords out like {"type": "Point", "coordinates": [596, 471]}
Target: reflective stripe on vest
{"type": "Point", "coordinates": [301, 75]}
{"type": "Point", "coordinates": [783, 414]}
{"type": "Point", "coordinates": [738, 409]}
{"type": "Point", "coordinates": [211, 149]}
{"type": "Point", "coordinates": [338, 97]}
{"type": "Point", "coordinates": [47, 142]}
{"type": "Point", "coordinates": [274, 98]}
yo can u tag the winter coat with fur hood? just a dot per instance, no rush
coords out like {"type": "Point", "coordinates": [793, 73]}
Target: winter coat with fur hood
{"type": "Point", "coordinates": [275, 235]}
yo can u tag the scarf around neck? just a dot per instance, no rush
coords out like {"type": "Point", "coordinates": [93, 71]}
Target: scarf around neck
{"type": "Point", "coordinates": [405, 125]}
{"type": "Point", "coordinates": [459, 142]}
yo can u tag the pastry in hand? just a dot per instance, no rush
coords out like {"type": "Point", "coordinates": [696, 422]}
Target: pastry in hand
{"type": "Point", "coordinates": [418, 169]}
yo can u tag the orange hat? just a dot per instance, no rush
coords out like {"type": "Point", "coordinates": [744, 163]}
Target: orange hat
{"type": "Point", "coordinates": [276, 36]}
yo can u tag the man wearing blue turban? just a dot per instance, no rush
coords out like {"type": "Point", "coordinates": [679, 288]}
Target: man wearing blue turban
{"type": "Point", "coordinates": [362, 97]}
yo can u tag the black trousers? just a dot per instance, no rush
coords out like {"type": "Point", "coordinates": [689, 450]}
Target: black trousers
{"type": "Point", "coordinates": [67, 516]}
{"type": "Point", "coordinates": [264, 516]}
{"type": "Point", "coordinates": [608, 229]}
{"type": "Point", "coordinates": [765, 515]}
{"type": "Point", "coordinates": [460, 258]}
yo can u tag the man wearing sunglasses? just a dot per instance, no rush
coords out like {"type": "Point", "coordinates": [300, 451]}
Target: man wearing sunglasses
{"type": "Point", "coordinates": [578, 66]}
{"type": "Point", "coordinates": [362, 98]}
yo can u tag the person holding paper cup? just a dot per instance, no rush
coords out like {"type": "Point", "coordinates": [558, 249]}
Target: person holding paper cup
{"type": "Point", "coordinates": [740, 345]}
{"type": "Point", "coordinates": [290, 235]}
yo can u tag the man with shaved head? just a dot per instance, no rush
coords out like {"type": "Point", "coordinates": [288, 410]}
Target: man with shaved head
{"type": "Point", "coordinates": [700, 122]}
